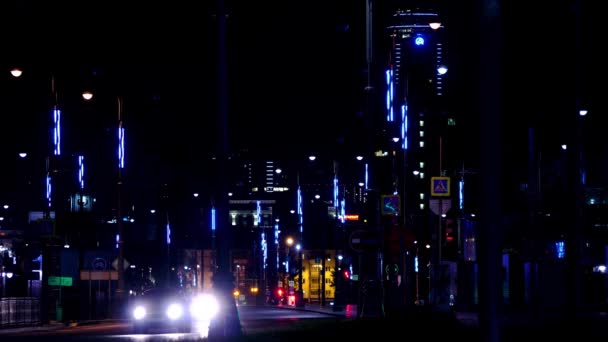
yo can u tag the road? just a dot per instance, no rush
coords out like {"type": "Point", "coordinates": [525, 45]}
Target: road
{"type": "Point", "coordinates": [271, 324]}
{"type": "Point", "coordinates": [254, 321]}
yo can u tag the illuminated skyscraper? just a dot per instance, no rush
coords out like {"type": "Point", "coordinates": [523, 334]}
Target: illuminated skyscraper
{"type": "Point", "coordinates": [415, 92]}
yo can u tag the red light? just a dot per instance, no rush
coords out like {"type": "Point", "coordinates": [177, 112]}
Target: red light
{"type": "Point", "coordinates": [346, 275]}
{"type": "Point", "coordinates": [280, 292]}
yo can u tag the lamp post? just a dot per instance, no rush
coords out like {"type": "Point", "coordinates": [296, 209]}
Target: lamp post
{"type": "Point", "coordinates": [228, 322]}
{"type": "Point", "coordinates": [300, 292]}
{"type": "Point", "coordinates": [288, 243]}
{"type": "Point", "coordinates": [120, 290]}
{"type": "Point", "coordinates": [121, 156]}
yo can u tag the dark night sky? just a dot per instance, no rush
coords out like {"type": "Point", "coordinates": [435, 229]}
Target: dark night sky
{"type": "Point", "coordinates": [297, 70]}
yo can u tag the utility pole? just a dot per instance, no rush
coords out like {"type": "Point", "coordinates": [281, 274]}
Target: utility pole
{"type": "Point", "coordinates": [119, 226]}
{"type": "Point", "coordinates": [227, 323]}
{"type": "Point", "coordinates": [575, 243]}
{"type": "Point", "coordinates": [490, 231]}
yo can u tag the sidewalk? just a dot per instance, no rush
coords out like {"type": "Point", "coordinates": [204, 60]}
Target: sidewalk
{"type": "Point", "coordinates": [470, 319]}
{"type": "Point", "coordinates": [43, 327]}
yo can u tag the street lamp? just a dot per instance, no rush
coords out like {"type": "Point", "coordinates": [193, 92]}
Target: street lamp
{"type": "Point", "coordinates": [16, 72]}
{"type": "Point", "coordinates": [288, 242]}
{"type": "Point", "coordinates": [120, 290]}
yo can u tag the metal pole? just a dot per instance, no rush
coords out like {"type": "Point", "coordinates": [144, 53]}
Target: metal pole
{"type": "Point", "coordinates": [490, 230]}
{"type": "Point", "coordinates": [227, 323]}
{"type": "Point", "coordinates": [119, 268]}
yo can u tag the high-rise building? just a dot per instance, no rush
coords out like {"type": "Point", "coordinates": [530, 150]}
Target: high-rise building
{"type": "Point", "coordinates": [418, 131]}
{"type": "Point", "coordinates": [417, 118]}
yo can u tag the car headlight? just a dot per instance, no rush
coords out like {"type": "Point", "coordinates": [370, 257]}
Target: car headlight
{"type": "Point", "coordinates": [204, 307]}
{"type": "Point", "coordinates": [174, 311]}
{"type": "Point", "coordinates": [139, 312]}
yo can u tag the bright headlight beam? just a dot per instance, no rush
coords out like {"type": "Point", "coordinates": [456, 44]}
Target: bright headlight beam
{"type": "Point", "coordinates": [139, 312]}
{"type": "Point", "coordinates": [204, 307]}
{"type": "Point", "coordinates": [174, 311]}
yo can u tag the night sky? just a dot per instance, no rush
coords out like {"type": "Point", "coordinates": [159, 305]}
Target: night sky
{"type": "Point", "coordinates": [296, 75]}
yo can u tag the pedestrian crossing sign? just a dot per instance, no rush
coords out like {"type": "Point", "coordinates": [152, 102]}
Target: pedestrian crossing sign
{"type": "Point", "coordinates": [440, 186]}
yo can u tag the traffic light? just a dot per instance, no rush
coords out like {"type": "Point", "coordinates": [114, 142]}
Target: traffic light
{"type": "Point", "coordinates": [450, 239]}
{"type": "Point", "coordinates": [449, 230]}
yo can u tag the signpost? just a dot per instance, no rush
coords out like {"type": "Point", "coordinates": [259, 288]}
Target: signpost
{"type": "Point", "coordinates": [440, 190]}
{"type": "Point", "coordinates": [391, 205]}
{"type": "Point", "coordinates": [361, 240]}
{"type": "Point", "coordinates": [440, 186]}
{"type": "Point", "coordinates": [60, 281]}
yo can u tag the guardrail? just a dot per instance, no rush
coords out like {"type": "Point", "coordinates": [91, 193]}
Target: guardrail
{"type": "Point", "coordinates": [19, 311]}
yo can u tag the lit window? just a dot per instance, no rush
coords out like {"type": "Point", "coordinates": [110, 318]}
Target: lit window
{"type": "Point", "coordinates": [421, 123]}
{"type": "Point", "coordinates": [422, 144]}
{"type": "Point", "coordinates": [422, 165]}
{"type": "Point", "coordinates": [421, 134]}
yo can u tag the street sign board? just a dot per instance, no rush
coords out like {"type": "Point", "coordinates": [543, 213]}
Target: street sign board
{"type": "Point", "coordinates": [98, 275]}
{"type": "Point", "coordinates": [440, 186]}
{"type": "Point", "coordinates": [391, 205]}
{"type": "Point", "coordinates": [440, 206]}
{"type": "Point", "coordinates": [100, 264]}
{"type": "Point", "coordinates": [361, 240]}
{"type": "Point", "coordinates": [60, 281]}
{"type": "Point", "coordinates": [125, 264]}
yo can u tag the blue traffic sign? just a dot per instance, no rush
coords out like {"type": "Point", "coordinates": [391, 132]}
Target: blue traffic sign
{"type": "Point", "coordinates": [440, 186]}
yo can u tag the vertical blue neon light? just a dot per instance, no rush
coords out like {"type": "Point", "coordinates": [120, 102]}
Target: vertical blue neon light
{"type": "Point", "coordinates": [121, 146]}
{"type": "Point", "coordinates": [212, 218]}
{"type": "Point", "coordinates": [276, 242]}
{"type": "Point", "coordinates": [264, 250]}
{"type": "Point", "coordinates": [366, 176]}
{"type": "Point", "coordinates": [117, 238]}
{"type": "Point", "coordinates": [57, 131]}
{"type": "Point", "coordinates": [168, 233]}
{"type": "Point", "coordinates": [336, 204]}
{"type": "Point", "coordinates": [259, 212]}
{"type": "Point", "coordinates": [583, 177]}
{"type": "Point", "coordinates": [48, 190]}
{"type": "Point", "coordinates": [560, 248]}
{"type": "Point", "coordinates": [342, 211]}
{"type": "Point", "coordinates": [404, 127]}
{"type": "Point", "coordinates": [81, 172]}
{"type": "Point", "coordinates": [389, 95]}
{"type": "Point", "coordinates": [300, 214]}
{"type": "Point", "coordinates": [461, 194]}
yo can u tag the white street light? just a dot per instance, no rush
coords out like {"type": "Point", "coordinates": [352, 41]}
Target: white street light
{"type": "Point", "coordinates": [16, 72]}
{"type": "Point", "coordinates": [87, 95]}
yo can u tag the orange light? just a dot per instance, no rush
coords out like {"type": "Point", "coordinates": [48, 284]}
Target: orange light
{"type": "Point", "coordinates": [236, 293]}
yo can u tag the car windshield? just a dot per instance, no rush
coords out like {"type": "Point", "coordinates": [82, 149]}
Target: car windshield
{"type": "Point", "coordinates": [158, 292]}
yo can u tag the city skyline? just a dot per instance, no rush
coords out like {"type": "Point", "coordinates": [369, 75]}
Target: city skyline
{"type": "Point", "coordinates": [503, 180]}
{"type": "Point", "coordinates": [317, 105]}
